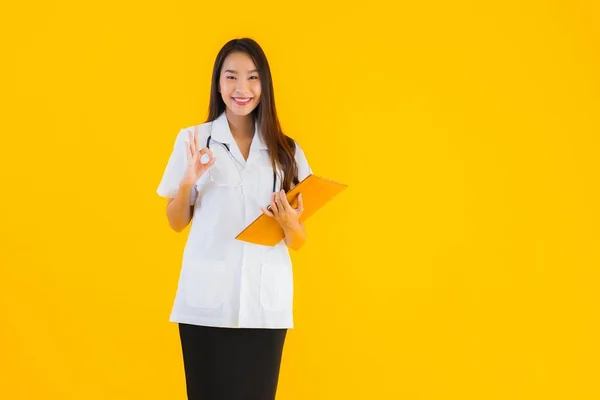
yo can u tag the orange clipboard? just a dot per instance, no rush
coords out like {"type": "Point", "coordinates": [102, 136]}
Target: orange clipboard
{"type": "Point", "coordinates": [316, 192]}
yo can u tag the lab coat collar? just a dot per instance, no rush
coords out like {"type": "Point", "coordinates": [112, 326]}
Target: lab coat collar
{"type": "Point", "coordinates": [222, 133]}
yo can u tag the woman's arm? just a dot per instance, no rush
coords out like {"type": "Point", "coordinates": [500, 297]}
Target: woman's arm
{"type": "Point", "coordinates": [179, 211]}
{"type": "Point", "coordinates": [295, 236]}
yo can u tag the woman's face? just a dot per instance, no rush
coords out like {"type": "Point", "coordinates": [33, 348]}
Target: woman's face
{"type": "Point", "coordinates": [239, 83]}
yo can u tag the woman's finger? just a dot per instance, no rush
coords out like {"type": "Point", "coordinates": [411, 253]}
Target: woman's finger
{"type": "Point", "coordinates": [208, 165]}
{"type": "Point", "coordinates": [266, 212]}
{"type": "Point", "coordinates": [274, 205]}
{"type": "Point", "coordinates": [202, 155]}
{"type": "Point", "coordinates": [206, 151]}
{"type": "Point", "coordinates": [196, 138]}
{"type": "Point", "coordinates": [189, 154]}
{"type": "Point", "coordinates": [189, 149]}
{"type": "Point", "coordinates": [300, 208]}
{"type": "Point", "coordinates": [284, 202]}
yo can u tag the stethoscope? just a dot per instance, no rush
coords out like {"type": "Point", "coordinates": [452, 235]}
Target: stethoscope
{"type": "Point", "coordinates": [231, 155]}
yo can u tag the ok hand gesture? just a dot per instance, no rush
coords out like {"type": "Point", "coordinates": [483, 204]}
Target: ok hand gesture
{"type": "Point", "coordinates": [195, 168]}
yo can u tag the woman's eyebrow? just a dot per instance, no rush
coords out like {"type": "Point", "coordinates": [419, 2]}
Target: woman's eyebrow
{"type": "Point", "coordinates": [231, 71]}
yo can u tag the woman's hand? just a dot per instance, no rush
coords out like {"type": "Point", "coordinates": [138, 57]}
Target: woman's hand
{"type": "Point", "coordinates": [280, 209]}
{"type": "Point", "coordinates": [288, 218]}
{"type": "Point", "coordinates": [195, 168]}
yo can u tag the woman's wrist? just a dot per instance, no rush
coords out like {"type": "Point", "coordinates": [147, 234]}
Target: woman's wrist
{"type": "Point", "coordinates": [294, 235]}
{"type": "Point", "coordinates": [185, 185]}
{"type": "Point", "coordinates": [292, 227]}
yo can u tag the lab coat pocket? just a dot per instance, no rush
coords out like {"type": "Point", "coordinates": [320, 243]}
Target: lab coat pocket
{"type": "Point", "coordinates": [205, 284]}
{"type": "Point", "coordinates": [276, 286]}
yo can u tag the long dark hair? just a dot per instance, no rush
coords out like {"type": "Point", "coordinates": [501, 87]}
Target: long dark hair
{"type": "Point", "coordinates": [281, 147]}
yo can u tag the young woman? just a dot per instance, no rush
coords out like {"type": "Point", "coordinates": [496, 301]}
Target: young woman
{"type": "Point", "coordinates": [234, 299]}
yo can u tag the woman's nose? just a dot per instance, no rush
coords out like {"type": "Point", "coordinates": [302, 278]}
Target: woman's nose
{"type": "Point", "coordinates": [241, 87]}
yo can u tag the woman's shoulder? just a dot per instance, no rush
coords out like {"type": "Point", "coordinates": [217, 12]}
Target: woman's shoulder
{"type": "Point", "coordinates": [295, 146]}
{"type": "Point", "coordinates": [293, 143]}
{"type": "Point", "coordinates": [304, 168]}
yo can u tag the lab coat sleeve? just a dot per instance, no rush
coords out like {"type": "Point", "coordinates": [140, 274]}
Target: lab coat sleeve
{"type": "Point", "coordinates": [175, 169]}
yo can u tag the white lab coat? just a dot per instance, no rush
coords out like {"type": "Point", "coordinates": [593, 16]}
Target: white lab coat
{"type": "Point", "coordinates": [225, 282]}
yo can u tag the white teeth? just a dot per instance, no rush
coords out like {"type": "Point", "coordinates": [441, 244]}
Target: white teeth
{"type": "Point", "coordinates": [242, 101]}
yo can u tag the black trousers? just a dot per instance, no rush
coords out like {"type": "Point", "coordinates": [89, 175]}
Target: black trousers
{"type": "Point", "coordinates": [231, 363]}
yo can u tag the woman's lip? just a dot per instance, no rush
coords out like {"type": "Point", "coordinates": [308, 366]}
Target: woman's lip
{"type": "Point", "coordinates": [242, 100]}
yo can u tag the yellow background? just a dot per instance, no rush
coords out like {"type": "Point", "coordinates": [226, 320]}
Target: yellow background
{"type": "Point", "coordinates": [461, 263]}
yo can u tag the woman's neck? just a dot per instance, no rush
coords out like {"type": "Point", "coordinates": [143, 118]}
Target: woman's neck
{"type": "Point", "coordinates": [241, 126]}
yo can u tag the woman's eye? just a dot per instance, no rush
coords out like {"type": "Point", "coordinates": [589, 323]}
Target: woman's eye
{"type": "Point", "coordinates": [254, 77]}
{"type": "Point", "coordinates": [231, 77]}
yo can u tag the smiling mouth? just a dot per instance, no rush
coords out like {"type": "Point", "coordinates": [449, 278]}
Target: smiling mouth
{"type": "Point", "coordinates": [242, 101]}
